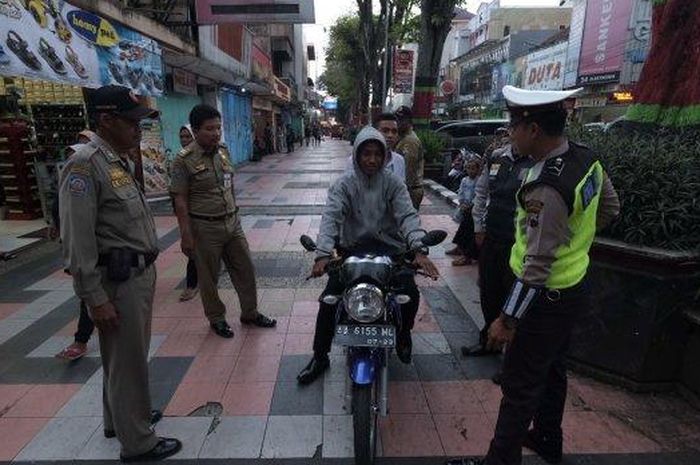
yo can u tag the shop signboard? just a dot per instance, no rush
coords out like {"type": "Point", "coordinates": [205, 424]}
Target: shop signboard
{"type": "Point", "coordinates": [545, 68]}
{"type": "Point", "coordinates": [56, 41]}
{"type": "Point", "coordinates": [403, 71]}
{"type": "Point", "coordinates": [255, 11]}
{"type": "Point", "coordinates": [184, 82]}
{"type": "Point", "coordinates": [330, 103]}
{"type": "Point", "coordinates": [604, 40]}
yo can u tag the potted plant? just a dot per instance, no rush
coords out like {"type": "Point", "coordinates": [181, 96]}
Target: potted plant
{"type": "Point", "coordinates": [645, 268]}
{"type": "Point", "coordinates": [433, 145]}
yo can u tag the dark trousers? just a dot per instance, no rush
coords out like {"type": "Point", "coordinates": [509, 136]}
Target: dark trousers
{"type": "Point", "coordinates": [495, 280]}
{"type": "Point", "coordinates": [534, 374]}
{"type": "Point", "coordinates": [85, 325]}
{"type": "Point", "coordinates": [325, 320]}
{"type": "Point", "coordinates": [464, 237]}
{"type": "Point", "coordinates": [191, 278]}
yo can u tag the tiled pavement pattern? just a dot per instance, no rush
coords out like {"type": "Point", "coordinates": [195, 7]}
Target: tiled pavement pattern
{"type": "Point", "coordinates": [238, 399]}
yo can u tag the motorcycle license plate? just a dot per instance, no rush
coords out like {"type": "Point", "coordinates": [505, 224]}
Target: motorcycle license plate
{"type": "Point", "coordinates": [365, 335]}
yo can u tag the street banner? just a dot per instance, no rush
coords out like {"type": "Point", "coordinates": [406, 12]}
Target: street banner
{"type": "Point", "coordinates": [604, 40]}
{"type": "Point", "coordinates": [56, 41]}
{"type": "Point", "coordinates": [403, 72]}
{"type": "Point", "coordinates": [545, 68]}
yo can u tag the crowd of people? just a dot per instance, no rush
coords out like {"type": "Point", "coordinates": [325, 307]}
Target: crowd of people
{"type": "Point", "coordinates": [528, 211]}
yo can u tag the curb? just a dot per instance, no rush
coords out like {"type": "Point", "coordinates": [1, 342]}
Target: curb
{"type": "Point", "coordinates": [446, 194]}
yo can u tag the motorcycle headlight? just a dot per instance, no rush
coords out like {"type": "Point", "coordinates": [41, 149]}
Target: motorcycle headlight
{"type": "Point", "coordinates": [364, 303]}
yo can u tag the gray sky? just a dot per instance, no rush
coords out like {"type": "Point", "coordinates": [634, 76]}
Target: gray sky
{"type": "Point", "coordinates": [327, 11]}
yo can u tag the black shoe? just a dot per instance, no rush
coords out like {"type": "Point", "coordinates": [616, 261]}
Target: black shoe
{"type": "Point", "coordinates": [261, 321]}
{"type": "Point", "coordinates": [222, 329]}
{"type": "Point", "coordinates": [164, 449]}
{"type": "Point", "coordinates": [316, 367]}
{"type": "Point", "coordinates": [549, 449]}
{"type": "Point", "coordinates": [156, 416]}
{"type": "Point", "coordinates": [477, 350]}
{"type": "Point", "coordinates": [466, 461]}
{"type": "Point", "coordinates": [404, 348]}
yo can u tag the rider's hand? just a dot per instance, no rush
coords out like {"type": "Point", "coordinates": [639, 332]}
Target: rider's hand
{"type": "Point", "coordinates": [105, 316]}
{"type": "Point", "coordinates": [428, 267]}
{"type": "Point", "coordinates": [319, 268]}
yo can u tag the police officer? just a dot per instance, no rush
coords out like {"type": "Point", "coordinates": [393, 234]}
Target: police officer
{"type": "Point", "coordinates": [202, 186]}
{"type": "Point", "coordinates": [565, 198]}
{"type": "Point", "coordinates": [110, 244]}
{"type": "Point", "coordinates": [494, 231]}
{"type": "Point", "coordinates": [410, 146]}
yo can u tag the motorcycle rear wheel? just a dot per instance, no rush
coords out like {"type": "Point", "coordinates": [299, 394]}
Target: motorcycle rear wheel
{"type": "Point", "coordinates": [364, 423]}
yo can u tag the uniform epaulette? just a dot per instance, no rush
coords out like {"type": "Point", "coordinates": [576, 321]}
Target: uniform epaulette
{"type": "Point", "coordinates": [184, 152]}
{"type": "Point", "coordinates": [84, 154]}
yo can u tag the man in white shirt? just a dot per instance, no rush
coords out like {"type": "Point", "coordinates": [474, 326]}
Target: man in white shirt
{"type": "Point", "coordinates": [386, 124]}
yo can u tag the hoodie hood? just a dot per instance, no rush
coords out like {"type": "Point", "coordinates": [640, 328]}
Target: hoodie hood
{"type": "Point", "coordinates": [368, 133]}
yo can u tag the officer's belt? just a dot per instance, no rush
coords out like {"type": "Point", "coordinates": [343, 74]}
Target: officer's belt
{"type": "Point", "coordinates": [148, 259]}
{"type": "Point", "coordinates": [213, 218]}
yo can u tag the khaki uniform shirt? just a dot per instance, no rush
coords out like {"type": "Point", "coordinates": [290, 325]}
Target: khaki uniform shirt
{"type": "Point", "coordinates": [101, 208]}
{"type": "Point", "coordinates": [548, 222]}
{"type": "Point", "coordinates": [411, 148]}
{"type": "Point", "coordinates": [206, 180]}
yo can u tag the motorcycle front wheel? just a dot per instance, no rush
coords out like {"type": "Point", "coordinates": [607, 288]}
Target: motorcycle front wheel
{"type": "Point", "coordinates": [364, 423]}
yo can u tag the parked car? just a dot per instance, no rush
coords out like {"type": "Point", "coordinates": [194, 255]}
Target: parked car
{"type": "Point", "coordinates": [474, 135]}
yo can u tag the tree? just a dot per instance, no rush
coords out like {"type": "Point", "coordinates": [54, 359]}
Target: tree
{"type": "Point", "coordinates": [668, 91]}
{"type": "Point", "coordinates": [435, 22]}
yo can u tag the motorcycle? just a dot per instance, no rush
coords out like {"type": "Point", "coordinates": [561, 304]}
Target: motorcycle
{"type": "Point", "coordinates": [368, 319]}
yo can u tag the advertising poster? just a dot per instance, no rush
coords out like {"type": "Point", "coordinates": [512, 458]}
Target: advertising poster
{"type": "Point", "coordinates": [604, 40]}
{"type": "Point", "coordinates": [55, 41]}
{"type": "Point", "coordinates": [403, 72]}
{"type": "Point", "coordinates": [545, 68]}
{"type": "Point", "coordinates": [153, 159]}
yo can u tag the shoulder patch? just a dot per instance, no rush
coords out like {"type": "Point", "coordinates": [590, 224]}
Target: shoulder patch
{"type": "Point", "coordinates": [78, 184]}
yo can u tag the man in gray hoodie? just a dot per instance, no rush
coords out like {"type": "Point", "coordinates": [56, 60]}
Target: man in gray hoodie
{"type": "Point", "coordinates": [367, 209]}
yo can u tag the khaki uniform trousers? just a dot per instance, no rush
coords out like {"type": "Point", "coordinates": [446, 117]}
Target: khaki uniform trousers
{"type": "Point", "coordinates": [124, 352]}
{"type": "Point", "coordinates": [225, 240]}
{"type": "Point", "coordinates": [416, 194]}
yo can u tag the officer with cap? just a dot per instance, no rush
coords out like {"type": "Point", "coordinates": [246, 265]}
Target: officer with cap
{"type": "Point", "coordinates": [110, 245]}
{"type": "Point", "coordinates": [202, 186]}
{"type": "Point", "coordinates": [565, 198]}
{"type": "Point", "coordinates": [410, 146]}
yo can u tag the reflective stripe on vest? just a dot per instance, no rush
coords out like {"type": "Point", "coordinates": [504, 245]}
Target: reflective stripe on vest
{"type": "Point", "coordinates": [571, 259]}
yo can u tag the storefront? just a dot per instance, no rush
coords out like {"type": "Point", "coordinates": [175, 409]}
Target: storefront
{"type": "Point", "coordinates": [51, 57]}
{"type": "Point", "coordinates": [263, 119]}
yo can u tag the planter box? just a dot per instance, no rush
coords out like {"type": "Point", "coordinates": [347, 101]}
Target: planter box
{"type": "Point", "coordinates": [636, 333]}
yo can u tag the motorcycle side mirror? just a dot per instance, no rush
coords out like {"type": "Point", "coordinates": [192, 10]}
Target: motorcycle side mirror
{"type": "Point", "coordinates": [434, 237]}
{"type": "Point", "coordinates": [308, 243]}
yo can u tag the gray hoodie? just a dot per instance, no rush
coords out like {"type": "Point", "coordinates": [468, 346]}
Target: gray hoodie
{"type": "Point", "coordinates": [362, 210]}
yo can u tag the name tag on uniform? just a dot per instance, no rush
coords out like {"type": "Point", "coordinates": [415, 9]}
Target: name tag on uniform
{"type": "Point", "coordinates": [228, 180]}
{"type": "Point", "coordinates": [494, 169]}
{"type": "Point", "coordinates": [119, 177]}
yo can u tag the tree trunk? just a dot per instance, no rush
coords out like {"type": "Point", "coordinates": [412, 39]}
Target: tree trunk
{"type": "Point", "coordinates": [436, 18]}
{"type": "Point", "coordinates": [668, 92]}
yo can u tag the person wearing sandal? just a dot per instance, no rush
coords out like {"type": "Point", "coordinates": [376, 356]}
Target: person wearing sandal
{"type": "Point", "coordinates": [205, 205]}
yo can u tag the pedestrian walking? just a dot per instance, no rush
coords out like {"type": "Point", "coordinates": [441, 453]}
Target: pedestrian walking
{"type": "Point", "coordinates": [110, 246]}
{"type": "Point", "coordinates": [290, 139]}
{"type": "Point", "coordinates": [191, 281]}
{"type": "Point", "coordinates": [410, 146]}
{"type": "Point", "coordinates": [465, 245]}
{"type": "Point", "coordinates": [202, 185]}
{"type": "Point", "coordinates": [307, 134]}
{"type": "Point", "coordinates": [281, 145]}
{"type": "Point", "coordinates": [565, 197]}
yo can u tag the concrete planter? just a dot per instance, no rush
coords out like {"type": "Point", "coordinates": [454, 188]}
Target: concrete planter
{"type": "Point", "coordinates": [636, 333]}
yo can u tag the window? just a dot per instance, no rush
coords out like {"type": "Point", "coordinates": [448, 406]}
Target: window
{"type": "Point", "coordinates": [506, 31]}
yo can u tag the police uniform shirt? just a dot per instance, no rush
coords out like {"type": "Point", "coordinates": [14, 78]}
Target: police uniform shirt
{"type": "Point", "coordinates": [206, 179]}
{"type": "Point", "coordinates": [412, 150]}
{"type": "Point", "coordinates": [101, 208]}
{"type": "Point", "coordinates": [547, 220]}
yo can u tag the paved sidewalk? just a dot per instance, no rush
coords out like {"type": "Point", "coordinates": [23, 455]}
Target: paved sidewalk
{"type": "Point", "coordinates": [238, 399]}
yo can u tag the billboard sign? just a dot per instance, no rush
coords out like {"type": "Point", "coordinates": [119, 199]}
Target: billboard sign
{"type": "Point", "coordinates": [545, 68]}
{"type": "Point", "coordinates": [255, 11]}
{"type": "Point", "coordinates": [604, 40]}
{"type": "Point", "coordinates": [56, 41]}
{"type": "Point", "coordinates": [403, 71]}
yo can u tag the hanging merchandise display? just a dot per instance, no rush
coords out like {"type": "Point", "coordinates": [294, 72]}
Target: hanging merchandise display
{"type": "Point", "coordinates": [53, 40]}
{"type": "Point", "coordinates": [155, 177]}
